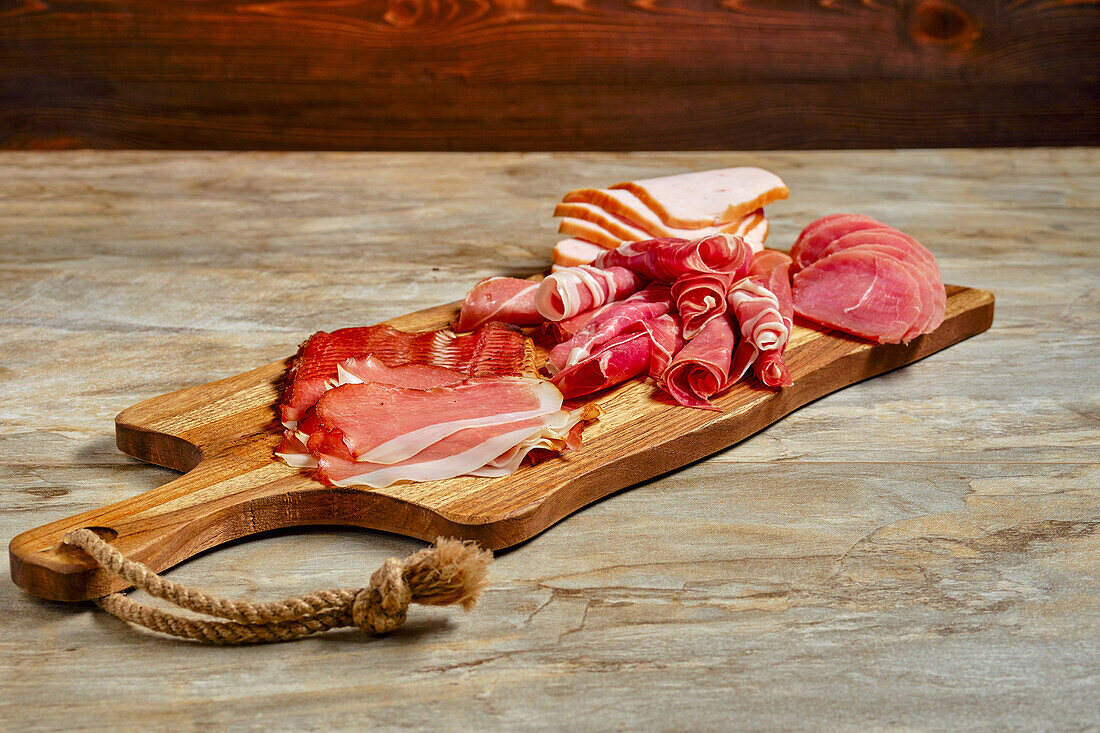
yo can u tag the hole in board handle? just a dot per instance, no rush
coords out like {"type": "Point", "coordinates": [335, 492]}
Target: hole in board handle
{"type": "Point", "coordinates": [75, 553]}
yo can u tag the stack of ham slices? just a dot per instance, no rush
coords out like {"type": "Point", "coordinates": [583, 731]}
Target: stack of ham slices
{"type": "Point", "coordinates": [685, 206]}
{"type": "Point", "coordinates": [868, 279]}
{"type": "Point", "coordinates": [372, 406]}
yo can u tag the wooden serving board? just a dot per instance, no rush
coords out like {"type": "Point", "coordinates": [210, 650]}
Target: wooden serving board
{"type": "Point", "coordinates": [223, 436]}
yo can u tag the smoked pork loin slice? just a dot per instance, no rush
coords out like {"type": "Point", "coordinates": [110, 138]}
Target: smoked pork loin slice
{"type": "Point", "coordinates": [823, 232]}
{"type": "Point", "coordinates": [706, 198]}
{"type": "Point", "coordinates": [862, 293]}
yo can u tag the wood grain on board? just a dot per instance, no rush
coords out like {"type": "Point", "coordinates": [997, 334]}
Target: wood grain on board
{"type": "Point", "coordinates": [919, 551]}
{"type": "Point", "coordinates": [547, 74]}
{"type": "Point", "coordinates": [224, 435]}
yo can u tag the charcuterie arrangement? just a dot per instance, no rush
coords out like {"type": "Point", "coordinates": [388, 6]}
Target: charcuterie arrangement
{"type": "Point", "coordinates": [665, 279]}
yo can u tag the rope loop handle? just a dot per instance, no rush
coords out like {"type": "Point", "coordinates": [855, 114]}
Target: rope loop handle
{"type": "Point", "coordinates": [450, 572]}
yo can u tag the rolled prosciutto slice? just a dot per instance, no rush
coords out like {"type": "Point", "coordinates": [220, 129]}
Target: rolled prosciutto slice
{"type": "Point", "coordinates": [756, 309]}
{"type": "Point", "coordinates": [573, 290]}
{"type": "Point", "coordinates": [862, 293]}
{"type": "Point", "coordinates": [665, 260]}
{"type": "Point", "coordinates": [627, 355]}
{"type": "Point", "coordinates": [386, 424]}
{"type": "Point", "coordinates": [653, 301]}
{"type": "Point", "coordinates": [504, 299]}
{"type": "Point", "coordinates": [700, 297]}
{"type": "Point", "coordinates": [493, 350]}
{"type": "Point", "coordinates": [701, 369]}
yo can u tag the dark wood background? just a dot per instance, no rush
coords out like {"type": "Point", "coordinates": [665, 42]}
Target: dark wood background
{"type": "Point", "coordinates": [547, 74]}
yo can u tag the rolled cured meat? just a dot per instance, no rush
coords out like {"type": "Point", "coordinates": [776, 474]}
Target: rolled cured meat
{"type": "Point", "coordinates": [504, 299]}
{"type": "Point", "coordinates": [665, 260]}
{"type": "Point", "coordinates": [701, 368]}
{"type": "Point", "coordinates": [573, 290]}
{"type": "Point", "coordinates": [627, 355]}
{"type": "Point", "coordinates": [756, 309]}
{"type": "Point", "coordinates": [700, 296]}
{"type": "Point", "coordinates": [652, 301]}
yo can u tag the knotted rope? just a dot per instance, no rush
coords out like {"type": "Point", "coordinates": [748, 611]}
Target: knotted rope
{"type": "Point", "coordinates": [450, 572]}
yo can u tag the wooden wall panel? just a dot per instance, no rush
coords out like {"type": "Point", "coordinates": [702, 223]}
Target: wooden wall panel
{"type": "Point", "coordinates": [547, 74]}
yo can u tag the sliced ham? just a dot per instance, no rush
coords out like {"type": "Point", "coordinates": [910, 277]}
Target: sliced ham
{"type": "Point", "coordinates": [572, 252]}
{"type": "Point", "coordinates": [862, 293]}
{"type": "Point", "coordinates": [906, 247]}
{"type": "Point", "coordinates": [823, 232]}
{"type": "Point", "coordinates": [701, 369]}
{"type": "Point", "coordinates": [665, 260]}
{"type": "Point", "coordinates": [387, 424]}
{"type": "Point", "coordinates": [491, 350]}
{"type": "Point", "coordinates": [503, 299]}
{"type": "Point", "coordinates": [707, 198]}
{"type": "Point", "coordinates": [651, 302]}
{"type": "Point", "coordinates": [574, 290]}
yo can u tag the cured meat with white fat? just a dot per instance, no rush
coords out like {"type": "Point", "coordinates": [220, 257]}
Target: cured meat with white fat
{"type": "Point", "coordinates": [387, 424]}
{"type": "Point", "coordinates": [653, 301]}
{"type": "Point", "coordinates": [493, 350]}
{"type": "Point", "coordinates": [627, 355]}
{"type": "Point", "coordinates": [701, 368]}
{"type": "Point", "coordinates": [567, 292]}
{"type": "Point", "coordinates": [665, 260]}
{"type": "Point", "coordinates": [503, 299]}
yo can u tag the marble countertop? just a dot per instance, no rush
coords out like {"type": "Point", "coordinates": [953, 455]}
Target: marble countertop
{"type": "Point", "coordinates": [919, 551]}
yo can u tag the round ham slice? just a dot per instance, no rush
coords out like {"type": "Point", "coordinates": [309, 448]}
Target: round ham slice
{"type": "Point", "coordinates": [823, 232]}
{"type": "Point", "coordinates": [860, 292]}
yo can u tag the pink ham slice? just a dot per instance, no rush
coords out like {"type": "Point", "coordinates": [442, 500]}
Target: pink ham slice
{"type": "Point", "coordinates": [665, 260]}
{"type": "Point", "coordinates": [504, 299]}
{"type": "Point", "coordinates": [823, 232]}
{"type": "Point", "coordinates": [701, 369]}
{"type": "Point", "coordinates": [491, 350]}
{"type": "Point", "coordinates": [574, 290]}
{"type": "Point", "coordinates": [572, 252]}
{"type": "Point", "coordinates": [387, 424]}
{"type": "Point", "coordinates": [706, 198]}
{"type": "Point", "coordinates": [461, 452]}
{"type": "Point", "coordinates": [862, 293]}
{"type": "Point", "coordinates": [651, 302]}
{"type": "Point", "coordinates": [626, 356]}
